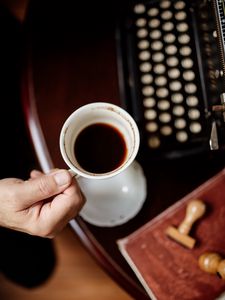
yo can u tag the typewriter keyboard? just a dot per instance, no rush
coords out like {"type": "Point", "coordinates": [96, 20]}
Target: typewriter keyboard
{"type": "Point", "coordinates": [164, 75]}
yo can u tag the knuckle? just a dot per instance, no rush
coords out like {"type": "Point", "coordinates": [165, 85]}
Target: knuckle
{"type": "Point", "coordinates": [45, 187]}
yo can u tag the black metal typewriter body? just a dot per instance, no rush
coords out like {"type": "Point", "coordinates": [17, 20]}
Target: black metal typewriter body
{"type": "Point", "coordinates": [171, 73]}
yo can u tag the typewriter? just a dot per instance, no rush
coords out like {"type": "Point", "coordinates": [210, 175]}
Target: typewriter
{"type": "Point", "coordinates": [171, 73]}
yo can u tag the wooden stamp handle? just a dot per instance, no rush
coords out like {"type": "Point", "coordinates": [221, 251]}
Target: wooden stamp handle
{"type": "Point", "coordinates": [221, 269]}
{"type": "Point", "coordinates": [195, 210]}
{"type": "Point", "coordinates": [209, 262]}
{"type": "Point", "coordinates": [213, 263]}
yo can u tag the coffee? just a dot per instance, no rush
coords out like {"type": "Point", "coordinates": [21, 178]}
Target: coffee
{"type": "Point", "coordinates": [100, 148]}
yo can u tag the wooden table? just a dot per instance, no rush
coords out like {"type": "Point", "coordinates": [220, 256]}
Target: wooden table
{"type": "Point", "coordinates": [71, 60]}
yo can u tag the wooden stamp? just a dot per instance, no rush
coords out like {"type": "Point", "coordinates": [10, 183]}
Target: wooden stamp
{"type": "Point", "coordinates": [195, 210]}
{"type": "Point", "coordinates": [212, 263]}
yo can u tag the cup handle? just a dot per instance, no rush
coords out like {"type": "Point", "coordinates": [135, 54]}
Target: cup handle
{"type": "Point", "coordinates": [73, 173]}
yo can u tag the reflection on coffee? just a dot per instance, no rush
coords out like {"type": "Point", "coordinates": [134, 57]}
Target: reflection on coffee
{"type": "Point", "coordinates": [100, 148]}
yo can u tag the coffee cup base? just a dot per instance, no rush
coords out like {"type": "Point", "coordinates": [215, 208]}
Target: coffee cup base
{"type": "Point", "coordinates": [116, 200]}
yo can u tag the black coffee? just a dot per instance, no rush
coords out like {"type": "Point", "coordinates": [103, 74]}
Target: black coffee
{"type": "Point", "coordinates": [100, 148]}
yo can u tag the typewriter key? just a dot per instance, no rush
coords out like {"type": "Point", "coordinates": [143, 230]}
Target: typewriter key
{"type": "Point", "coordinates": [180, 123]}
{"type": "Point", "coordinates": [141, 22]}
{"type": "Point", "coordinates": [190, 88]}
{"type": "Point", "coordinates": [174, 73]}
{"type": "Point", "coordinates": [162, 92]}
{"type": "Point", "coordinates": [169, 38]}
{"type": "Point", "coordinates": [178, 110]}
{"type": "Point", "coordinates": [150, 114]}
{"type": "Point", "coordinates": [139, 9]}
{"type": "Point", "coordinates": [171, 49]}
{"type": "Point", "coordinates": [142, 33]}
{"type": "Point", "coordinates": [179, 5]}
{"type": "Point", "coordinates": [177, 98]}
{"type": "Point", "coordinates": [148, 90]}
{"type": "Point", "coordinates": [185, 50]}
{"type": "Point", "coordinates": [155, 34]}
{"type": "Point", "coordinates": [187, 63]}
{"type": "Point", "coordinates": [152, 12]}
{"type": "Point", "coordinates": [157, 45]}
{"type": "Point", "coordinates": [194, 114]}
{"type": "Point", "coordinates": [154, 142]}
{"type": "Point", "coordinates": [145, 67]}
{"type": "Point", "coordinates": [166, 130]}
{"type": "Point", "coordinates": [144, 55]}
{"type": "Point", "coordinates": [160, 80]}
{"type": "Point", "coordinates": [184, 38]}
{"type": "Point", "coordinates": [165, 117]}
{"type": "Point", "coordinates": [158, 57]}
{"type": "Point", "coordinates": [168, 26]}
{"type": "Point", "coordinates": [163, 104]}
{"type": "Point", "coordinates": [195, 127]}
{"type": "Point", "coordinates": [149, 102]}
{"type": "Point", "coordinates": [159, 69]}
{"type": "Point", "coordinates": [182, 27]}
{"type": "Point", "coordinates": [181, 15]}
{"type": "Point", "coordinates": [189, 75]}
{"type": "Point", "coordinates": [172, 61]}
{"type": "Point", "coordinates": [164, 4]}
{"type": "Point", "coordinates": [166, 15]}
{"type": "Point", "coordinates": [154, 23]}
{"type": "Point", "coordinates": [192, 101]}
{"type": "Point", "coordinates": [175, 86]}
{"type": "Point", "coordinates": [146, 79]}
{"type": "Point", "coordinates": [182, 136]}
{"type": "Point", "coordinates": [152, 126]}
{"type": "Point", "coordinates": [144, 44]}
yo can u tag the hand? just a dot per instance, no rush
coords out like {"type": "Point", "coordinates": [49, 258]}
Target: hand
{"type": "Point", "coordinates": [42, 205]}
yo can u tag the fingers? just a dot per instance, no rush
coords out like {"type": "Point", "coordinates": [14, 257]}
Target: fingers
{"type": "Point", "coordinates": [54, 215]}
{"type": "Point", "coordinates": [43, 186]}
{"type": "Point", "coordinates": [37, 173]}
{"type": "Point", "coordinates": [43, 205]}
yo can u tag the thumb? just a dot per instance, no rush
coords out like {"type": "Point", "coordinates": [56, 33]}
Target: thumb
{"type": "Point", "coordinates": [44, 186]}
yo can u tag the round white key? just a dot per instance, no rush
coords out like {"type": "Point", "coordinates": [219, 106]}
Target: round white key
{"type": "Point", "coordinates": [163, 104]}
{"type": "Point", "coordinates": [139, 8]}
{"type": "Point", "coordinates": [144, 44]}
{"type": "Point", "coordinates": [150, 114]}
{"type": "Point", "coordinates": [195, 127]}
{"type": "Point", "coordinates": [151, 126]}
{"type": "Point", "coordinates": [154, 142]}
{"type": "Point", "coordinates": [152, 12]}
{"type": "Point", "coordinates": [141, 22]}
{"type": "Point", "coordinates": [180, 123]}
{"type": "Point", "coordinates": [182, 136]}
{"type": "Point", "coordinates": [192, 101]}
{"type": "Point", "coordinates": [149, 102]}
{"type": "Point", "coordinates": [145, 67]}
{"type": "Point", "coordinates": [166, 130]}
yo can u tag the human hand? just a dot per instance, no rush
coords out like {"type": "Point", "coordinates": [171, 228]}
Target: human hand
{"type": "Point", "coordinates": [42, 205]}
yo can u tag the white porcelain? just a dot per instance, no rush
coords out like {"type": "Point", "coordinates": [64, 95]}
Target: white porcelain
{"type": "Point", "coordinates": [117, 196]}
{"type": "Point", "coordinates": [114, 201]}
{"type": "Point", "coordinates": [98, 112]}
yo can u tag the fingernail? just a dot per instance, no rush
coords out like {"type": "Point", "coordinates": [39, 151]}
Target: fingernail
{"type": "Point", "coordinates": [62, 178]}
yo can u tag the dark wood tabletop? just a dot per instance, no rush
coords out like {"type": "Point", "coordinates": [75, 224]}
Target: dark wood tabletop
{"type": "Point", "coordinates": [70, 60]}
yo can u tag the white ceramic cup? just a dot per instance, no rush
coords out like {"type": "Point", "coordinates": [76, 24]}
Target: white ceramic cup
{"type": "Point", "coordinates": [98, 112]}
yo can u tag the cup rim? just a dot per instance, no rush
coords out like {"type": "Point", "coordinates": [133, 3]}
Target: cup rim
{"type": "Point", "coordinates": [124, 165]}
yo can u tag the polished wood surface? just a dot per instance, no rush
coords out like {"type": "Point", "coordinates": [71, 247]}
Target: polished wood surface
{"type": "Point", "coordinates": [72, 60]}
{"type": "Point", "coordinates": [75, 277]}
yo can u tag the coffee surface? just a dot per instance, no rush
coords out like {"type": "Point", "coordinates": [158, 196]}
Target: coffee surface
{"type": "Point", "coordinates": [100, 148]}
